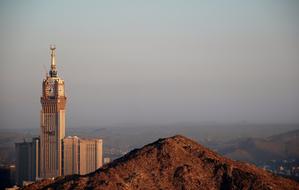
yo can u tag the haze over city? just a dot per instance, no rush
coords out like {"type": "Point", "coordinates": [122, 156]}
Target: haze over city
{"type": "Point", "coordinates": [149, 94]}
{"type": "Point", "coordinates": [154, 62]}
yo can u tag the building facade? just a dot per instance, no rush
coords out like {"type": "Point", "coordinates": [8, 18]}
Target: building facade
{"type": "Point", "coordinates": [91, 155]}
{"type": "Point", "coordinates": [27, 161]}
{"type": "Point", "coordinates": [81, 156]}
{"type": "Point", "coordinates": [70, 155]}
{"type": "Point", "coordinates": [52, 154]}
{"type": "Point", "coordinates": [52, 122]}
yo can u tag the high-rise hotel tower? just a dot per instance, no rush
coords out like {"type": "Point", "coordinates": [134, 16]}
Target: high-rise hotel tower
{"type": "Point", "coordinates": [54, 154]}
{"type": "Point", "coordinates": [52, 122]}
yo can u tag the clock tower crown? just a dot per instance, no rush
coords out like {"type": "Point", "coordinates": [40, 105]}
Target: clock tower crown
{"type": "Point", "coordinates": [53, 86]}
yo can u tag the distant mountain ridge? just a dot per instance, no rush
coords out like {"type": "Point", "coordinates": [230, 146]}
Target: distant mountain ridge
{"type": "Point", "coordinates": [281, 146]}
{"type": "Point", "coordinates": [172, 163]}
{"type": "Point", "coordinates": [286, 136]}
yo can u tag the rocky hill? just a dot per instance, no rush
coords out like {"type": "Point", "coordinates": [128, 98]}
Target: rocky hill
{"type": "Point", "coordinates": [172, 163]}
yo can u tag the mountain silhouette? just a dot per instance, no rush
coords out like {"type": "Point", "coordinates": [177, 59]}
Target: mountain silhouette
{"type": "Point", "coordinates": [175, 163]}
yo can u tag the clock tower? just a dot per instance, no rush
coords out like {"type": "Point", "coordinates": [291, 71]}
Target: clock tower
{"type": "Point", "coordinates": [52, 126]}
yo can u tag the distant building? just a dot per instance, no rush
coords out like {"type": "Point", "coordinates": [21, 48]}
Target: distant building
{"type": "Point", "coordinates": [54, 155]}
{"type": "Point", "coordinates": [25, 183]}
{"type": "Point", "coordinates": [52, 122]}
{"type": "Point", "coordinates": [27, 161]}
{"type": "Point", "coordinates": [81, 156]}
{"type": "Point", "coordinates": [12, 188]}
{"type": "Point", "coordinates": [107, 160]}
{"type": "Point", "coordinates": [7, 176]}
{"type": "Point", "coordinates": [70, 155]}
{"type": "Point", "coordinates": [91, 155]}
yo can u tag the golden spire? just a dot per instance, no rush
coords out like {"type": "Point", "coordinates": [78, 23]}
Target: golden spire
{"type": "Point", "coordinates": [53, 64]}
{"type": "Point", "coordinates": [53, 71]}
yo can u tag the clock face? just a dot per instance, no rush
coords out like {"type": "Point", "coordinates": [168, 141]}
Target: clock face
{"type": "Point", "coordinates": [51, 91]}
{"type": "Point", "coordinates": [51, 88]}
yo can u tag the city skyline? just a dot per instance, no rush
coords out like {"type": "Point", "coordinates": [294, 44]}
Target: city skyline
{"type": "Point", "coordinates": [152, 63]}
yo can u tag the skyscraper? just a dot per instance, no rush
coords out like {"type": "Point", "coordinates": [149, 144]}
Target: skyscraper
{"type": "Point", "coordinates": [81, 155]}
{"type": "Point", "coordinates": [27, 161]}
{"type": "Point", "coordinates": [52, 154]}
{"type": "Point", "coordinates": [52, 120]}
{"type": "Point", "coordinates": [70, 155]}
{"type": "Point", "coordinates": [91, 157]}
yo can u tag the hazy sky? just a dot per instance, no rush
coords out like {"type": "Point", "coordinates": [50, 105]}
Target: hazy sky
{"type": "Point", "coordinates": [152, 62]}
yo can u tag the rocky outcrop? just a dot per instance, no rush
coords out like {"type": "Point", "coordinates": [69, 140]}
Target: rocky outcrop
{"type": "Point", "coordinates": [172, 163]}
